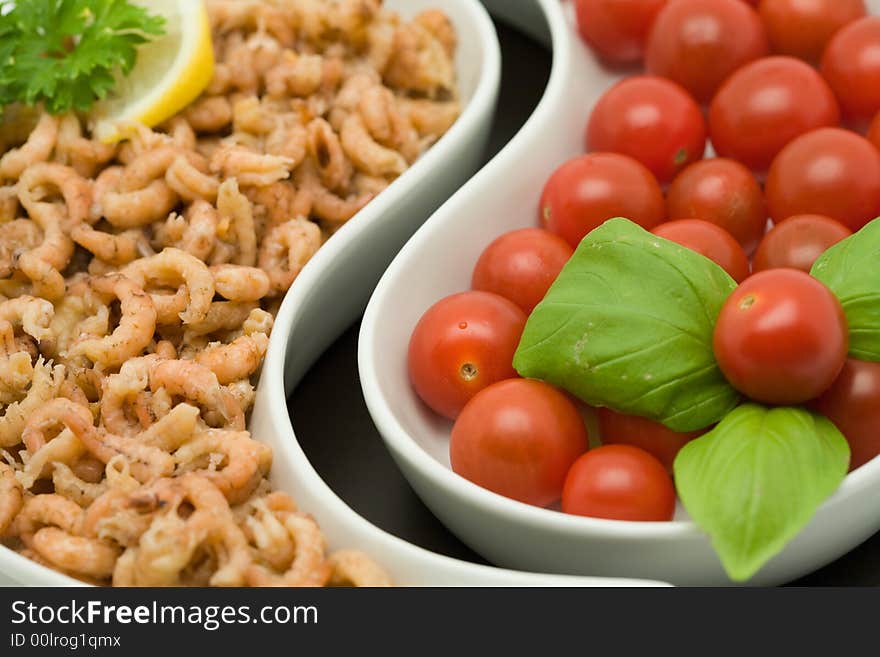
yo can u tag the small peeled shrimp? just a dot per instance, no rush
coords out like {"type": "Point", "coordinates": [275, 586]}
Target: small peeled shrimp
{"type": "Point", "coordinates": [36, 149]}
{"type": "Point", "coordinates": [200, 235]}
{"type": "Point", "coordinates": [11, 496]}
{"type": "Point", "coordinates": [120, 389]}
{"type": "Point", "coordinates": [137, 325]}
{"type": "Point", "coordinates": [249, 167]}
{"type": "Point", "coordinates": [419, 62]}
{"type": "Point", "coordinates": [176, 265]}
{"type": "Point", "coordinates": [236, 360]}
{"type": "Point", "coordinates": [146, 462]}
{"type": "Point", "coordinates": [198, 384]}
{"type": "Point", "coordinates": [354, 568]}
{"type": "Point", "coordinates": [368, 155]}
{"type": "Point", "coordinates": [172, 430]}
{"type": "Point", "coordinates": [43, 264]}
{"type": "Point", "coordinates": [189, 183]}
{"type": "Point", "coordinates": [32, 314]}
{"type": "Point", "coordinates": [68, 484]}
{"type": "Point", "coordinates": [8, 203]}
{"type": "Point", "coordinates": [44, 386]}
{"type": "Point", "coordinates": [309, 567]}
{"type": "Point", "coordinates": [16, 237]}
{"type": "Point", "coordinates": [245, 461]}
{"type": "Point", "coordinates": [76, 191]}
{"type": "Point", "coordinates": [295, 75]}
{"type": "Point", "coordinates": [49, 415]}
{"type": "Point", "coordinates": [75, 554]}
{"type": "Point", "coordinates": [329, 155]}
{"type": "Point", "coordinates": [114, 249]}
{"type": "Point", "coordinates": [74, 150]}
{"type": "Point", "coordinates": [222, 316]}
{"type": "Point", "coordinates": [209, 114]}
{"type": "Point", "coordinates": [132, 208]}
{"type": "Point", "coordinates": [236, 209]}
{"type": "Point", "coordinates": [48, 510]}
{"type": "Point", "coordinates": [238, 283]}
{"type": "Point", "coordinates": [286, 249]}
{"type": "Point", "coordinates": [289, 139]}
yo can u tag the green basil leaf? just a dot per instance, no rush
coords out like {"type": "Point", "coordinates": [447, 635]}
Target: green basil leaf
{"type": "Point", "coordinates": [850, 269]}
{"type": "Point", "coordinates": [755, 480]}
{"type": "Point", "coordinates": [628, 324]}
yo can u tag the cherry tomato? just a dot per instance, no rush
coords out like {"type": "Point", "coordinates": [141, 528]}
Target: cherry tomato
{"type": "Point", "coordinates": [617, 29]}
{"type": "Point", "coordinates": [829, 171]}
{"type": "Point", "coordinates": [661, 443]}
{"type": "Point", "coordinates": [462, 344]}
{"type": "Point", "coordinates": [652, 120]}
{"type": "Point", "coordinates": [797, 242]}
{"type": "Point", "coordinates": [698, 43]}
{"type": "Point", "coordinates": [874, 131]}
{"type": "Point", "coordinates": [802, 28]}
{"type": "Point", "coordinates": [709, 240]}
{"type": "Point", "coordinates": [723, 192]}
{"type": "Point", "coordinates": [851, 64]}
{"type": "Point", "coordinates": [781, 337]}
{"type": "Point", "coordinates": [518, 438]}
{"type": "Point", "coordinates": [619, 482]}
{"type": "Point", "coordinates": [589, 190]}
{"type": "Point", "coordinates": [766, 104]}
{"type": "Point", "coordinates": [853, 404]}
{"type": "Point", "coordinates": [521, 266]}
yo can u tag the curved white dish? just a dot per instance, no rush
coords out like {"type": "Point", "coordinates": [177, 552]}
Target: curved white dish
{"type": "Point", "coordinates": [437, 262]}
{"type": "Point", "coordinates": [331, 292]}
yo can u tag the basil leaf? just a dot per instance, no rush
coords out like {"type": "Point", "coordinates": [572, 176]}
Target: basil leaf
{"type": "Point", "coordinates": [628, 324]}
{"type": "Point", "coordinates": [850, 269]}
{"type": "Point", "coordinates": [756, 479]}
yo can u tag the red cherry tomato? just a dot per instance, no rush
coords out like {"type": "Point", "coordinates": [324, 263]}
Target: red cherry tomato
{"type": "Point", "coordinates": [766, 104]}
{"type": "Point", "coordinates": [781, 337]}
{"type": "Point", "coordinates": [521, 266]}
{"type": "Point", "coordinates": [851, 64]}
{"type": "Point", "coordinates": [723, 192]}
{"type": "Point", "coordinates": [619, 482]}
{"type": "Point", "coordinates": [709, 240]}
{"type": "Point", "coordinates": [652, 120]}
{"type": "Point", "coordinates": [462, 344]}
{"type": "Point", "coordinates": [617, 29]}
{"type": "Point", "coordinates": [797, 242]}
{"type": "Point", "coordinates": [802, 28]}
{"type": "Point", "coordinates": [853, 404]}
{"type": "Point", "coordinates": [518, 438]}
{"type": "Point", "coordinates": [829, 171]}
{"type": "Point", "coordinates": [589, 190]}
{"type": "Point", "coordinates": [661, 443]}
{"type": "Point", "coordinates": [874, 131]}
{"type": "Point", "coordinates": [698, 43]}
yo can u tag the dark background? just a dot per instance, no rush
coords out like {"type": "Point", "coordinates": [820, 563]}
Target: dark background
{"type": "Point", "coordinates": [348, 452]}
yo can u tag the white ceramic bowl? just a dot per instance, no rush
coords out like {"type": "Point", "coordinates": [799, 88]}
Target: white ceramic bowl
{"type": "Point", "coordinates": [437, 262]}
{"type": "Point", "coordinates": [332, 291]}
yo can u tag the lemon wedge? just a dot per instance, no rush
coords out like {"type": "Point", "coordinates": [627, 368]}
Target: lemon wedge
{"type": "Point", "coordinates": [170, 73]}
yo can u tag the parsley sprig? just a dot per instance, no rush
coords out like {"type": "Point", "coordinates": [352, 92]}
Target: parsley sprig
{"type": "Point", "coordinates": [65, 53]}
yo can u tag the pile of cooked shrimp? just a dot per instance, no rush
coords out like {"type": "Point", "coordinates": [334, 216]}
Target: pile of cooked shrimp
{"type": "Point", "coordinates": [139, 282]}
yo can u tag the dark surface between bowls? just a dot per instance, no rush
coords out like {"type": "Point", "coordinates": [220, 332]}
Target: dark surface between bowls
{"type": "Point", "coordinates": [345, 447]}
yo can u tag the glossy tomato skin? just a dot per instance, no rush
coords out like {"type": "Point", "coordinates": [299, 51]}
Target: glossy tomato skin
{"type": "Point", "coordinates": [661, 443]}
{"type": "Point", "coordinates": [587, 191]}
{"type": "Point", "coordinates": [764, 105]}
{"type": "Point", "coordinates": [462, 344]}
{"type": "Point", "coordinates": [617, 29]}
{"type": "Point", "coordinates": [852, 403]}
{"type": "Point", "coordinates": [518, 438]}
{"type": "Point", "coordinates": [874, 131]}
{"type": "Point", "coordinates": [651, 119]}
{"type": "Point", "coordinates": [781, 337]}
{"type": "Point", "coordinates": [797, 242]}
{"type": "Point", "coordinates": [521, 266]}
{"type": "Point", "coordinates": [802, 28]}
{"type": "Point", "coordinates": [723, 192]}
{"type": "Point", "coordinates": [830, 171]}
{"type": "Point", "coordinates": [619, 482]}
{"type": "Point", "coordinates": [698, 43]}
{"type": "Point", "coordinates": [851, 66]}
{"type": "Point", "coordinates": [709, 240]}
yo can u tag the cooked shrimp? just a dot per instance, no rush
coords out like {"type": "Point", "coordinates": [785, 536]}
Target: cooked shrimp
{"type": "Point", "coordinates": [249, 167]}
{"type": "Point", "coordinates": [309, 567]}
{"type": "Point", "coordinates": [11, 497]}
{"type": "Point", "coordinates": [44, 386]}
{"type": "Point", "coordinates": [236, 360]}
{"type": "Point", "coordinates": [286, 249]}
{"type": "Point", "coordinates": [368, 155]}
{"type": "Point", "coordinates": [189, 183]}
{"type": "Point", "coordinates": [200, 235]}
{"type": "Point", "coordinates": [137, 325]}
{"type": "Point", "coordinates": [354, 568]}
{"type": "Point", "coordinates": [36, 149]}
{"type": "Point", "coordinates": [75, 554]}
{"type": "Point", "coordinates": [85, 156]}
{"type": "Point", "coordinates": [114, 249]}
{"type": "Point", "coordinates": [176, 265]}
{"type": "Point", "coordinates": [235, 208]}
{"type": "Point", "coordinates": [32, 314]}
{"type": "Point", "coordinates": [36, 181]}
{"type": "Point", "coordinates": [198, 384]}
{"type": "Point", "coordinates": [238, 283]}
